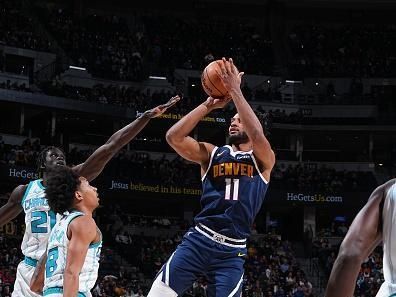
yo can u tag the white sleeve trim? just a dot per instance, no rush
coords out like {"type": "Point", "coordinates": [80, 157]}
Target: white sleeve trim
{"type": "Point", "coordinates": [210, 162]}
{"type": "Point", "coordinates": [258, 169]}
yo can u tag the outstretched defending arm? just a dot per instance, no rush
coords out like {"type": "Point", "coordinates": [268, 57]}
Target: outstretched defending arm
{"type": "Point", "coordinates": [254, 130]}
{"type": "Point", "coordinates": [363, 236]}
{"type": "Point", "coordinates": [13, 207]}
{"type": "Point", "coordinates": [94, 165]}
{"type": "Point", "coordinates": [186, 146]}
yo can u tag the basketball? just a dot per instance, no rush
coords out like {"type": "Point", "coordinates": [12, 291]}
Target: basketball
{"type": "Point", "coordinates": [211, 81]}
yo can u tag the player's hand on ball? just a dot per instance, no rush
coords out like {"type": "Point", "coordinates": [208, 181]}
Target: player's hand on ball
{"type": "Point", "coordinates": [230, 75]}
{"type": "Point", "coordinates": [215, 103]}
{"type": "Point", "coordinates": [160, 109]}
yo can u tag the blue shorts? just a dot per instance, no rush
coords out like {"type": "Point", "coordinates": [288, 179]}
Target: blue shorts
{"type": "Point", "coordinates": [203, 253]}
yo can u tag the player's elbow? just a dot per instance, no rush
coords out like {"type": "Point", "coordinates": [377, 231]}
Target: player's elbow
{"type": "Point", "coordinates": [350, 253]}
{"type": "Point", "coordinates": [71, 275]}
{"type": "Point", "coordinates": [171, 136]}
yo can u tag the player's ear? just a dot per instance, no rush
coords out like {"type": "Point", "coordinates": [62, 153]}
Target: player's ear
{"type": "Point", "coordinates": [78, 195]}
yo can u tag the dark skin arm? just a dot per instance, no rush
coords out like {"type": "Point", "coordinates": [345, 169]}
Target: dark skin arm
{"type": "Point", "coordinates": [363, 236]}
{"type": "Point", "coordinates": [13, 207]}
{"type": "Point", "coordinates": [37, 281]}
{"type": "Point", "coordinates": [94, 165]}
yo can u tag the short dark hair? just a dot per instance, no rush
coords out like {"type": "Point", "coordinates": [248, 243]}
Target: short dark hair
{"type": "Point", "coordinates": [61, 184]}
{"type": "Point", "coordinates": [42, 155]}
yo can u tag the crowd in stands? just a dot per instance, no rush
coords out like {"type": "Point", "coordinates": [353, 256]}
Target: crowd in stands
{"type": "Point", "coordinates": [343, 50]}
{"type": "Point", "coordinates": [320, 179]}
{"type": "Point", "coordinates": [103, 44]}
{"type": "Point", "coordinates": [16, 29]}
{"type": "Point", "coordinates": [10, 257]}
{"type": "Point", "coordinates": [271, 270]}
{"type": "Point", "coordinates": [112, 47]}
{"type": "Point", "coordinates": [370, 275]}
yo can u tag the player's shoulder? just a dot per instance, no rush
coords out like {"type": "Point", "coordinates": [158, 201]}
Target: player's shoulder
{"type": "Point", "coordinates": [381, 192]}
{"type": "Point", "coordinates": [388, 185]}
{"type": "Point", "coordinates": [18, 193]}
{"type": "Point", "coordinates": [81, 222]}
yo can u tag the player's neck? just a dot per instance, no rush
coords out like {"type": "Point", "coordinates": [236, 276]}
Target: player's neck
{"type": "Point", "coordinates": [44, 179]}
{"type": "Point", "coordinates": [244, 147]}
{"type": "Point", "coordinates": [84, 209]}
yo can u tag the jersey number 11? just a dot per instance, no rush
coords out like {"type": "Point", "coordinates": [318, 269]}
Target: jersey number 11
{"type": "Point", "coordinates": [231, 189]}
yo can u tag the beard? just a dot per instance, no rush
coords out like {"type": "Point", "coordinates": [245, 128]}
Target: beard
{"type": "Point", "coordinates": [238, 138]}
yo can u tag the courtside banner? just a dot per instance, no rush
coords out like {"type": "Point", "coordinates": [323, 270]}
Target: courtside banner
{"type": "Point", "coordinates": [117, 185]}
{"type": "Point", "coordinates": [273, 196]}
{"type": "Point", "coordinates": [18, 173]}
{"type": "Point", "coordinates": [177, 116]}
{"type": "Point", "coordinates": [298, 197]}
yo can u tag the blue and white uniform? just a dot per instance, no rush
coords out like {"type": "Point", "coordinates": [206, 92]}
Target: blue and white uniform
{"type": "Point", "coordinates": [56, 261]}
{"type": "Point", "coordinates": [233, 190]}
{"type": "Point", "coordinates": [39, 220]}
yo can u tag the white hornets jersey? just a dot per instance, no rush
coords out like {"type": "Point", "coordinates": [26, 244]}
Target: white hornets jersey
{"type": "Point", "coordinates": [388, 288]}
{"type": "Point", "coordinates": [39, 221]}
{"type": "Point", "coordinates": [57, 255]}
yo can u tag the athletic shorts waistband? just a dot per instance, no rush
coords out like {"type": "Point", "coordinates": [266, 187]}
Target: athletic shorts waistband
{"type": "Point", "coordinates": [220, 238]}
{"type": "Point", "coordinates": [30, 261]}
{"type": "Point", "coordinates": [59, 290]}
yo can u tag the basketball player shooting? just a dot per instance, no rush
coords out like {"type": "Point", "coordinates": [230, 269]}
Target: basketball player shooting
{"type": "Point", "coordinates": [30, 198]}
{"type": "Point", "coordinates": [373, 224]}
{"type": "Point", "coordinates": [234, 182]}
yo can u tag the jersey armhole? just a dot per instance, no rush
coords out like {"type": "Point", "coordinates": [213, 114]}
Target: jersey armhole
{"type": "Point", "coordinates": [71, 220]}
{"type": "Point", "coordinates": [26, 193]}
{"type": "Point", "coordinates": [258, 169]}
{"type": "Point", "coordinates": [210, 162]}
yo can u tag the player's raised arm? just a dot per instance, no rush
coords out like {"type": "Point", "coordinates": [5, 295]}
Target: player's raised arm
{"type": "Point", "coordinates": [363, 236]}
{"type": "Point", "coordinates": [94, 165]}
{"type": "Point", "coordinates": [254, 130]}
{"type": "Point", "coordinates": [186, 146]}
{"type": "Point", "coordinates": [83, 232]}
{"type": "Point", "coordinates": [13, 207]}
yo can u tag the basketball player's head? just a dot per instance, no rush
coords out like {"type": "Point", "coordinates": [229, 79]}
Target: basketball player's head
{"type": "Point", "coordinates": [50, 156]}
{"type": "Point", "coordinates": [66, 190]}
{"type": "Point", "coordinates": [236, 132]}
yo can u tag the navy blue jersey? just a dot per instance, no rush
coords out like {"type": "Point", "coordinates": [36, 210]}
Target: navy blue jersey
{"type": "Point", "coordinates": [233, 190]}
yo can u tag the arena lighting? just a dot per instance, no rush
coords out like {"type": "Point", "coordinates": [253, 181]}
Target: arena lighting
{"type": "Point", "coordinates": [77, 68]}
{"type": "Point", "coordinates": [294, 81]}
{"type": "Point", "coordinates": [157, 77]}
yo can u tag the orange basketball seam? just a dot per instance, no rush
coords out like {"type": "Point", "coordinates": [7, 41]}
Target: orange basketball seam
{"type": "Point", "coordinates": [207, 75]}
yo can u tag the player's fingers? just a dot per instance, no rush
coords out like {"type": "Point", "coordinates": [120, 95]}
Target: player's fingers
{"type": "Point", "coordinates": [227, 65]}
{"type": "Point", "coordinates": [222, 65]}
{"type": "Point", "coordinates": [232, 66]}
{"type": "Point", "coordinates": [174, 99]}
{"type": "Point", "coordinates": [240, 74]}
